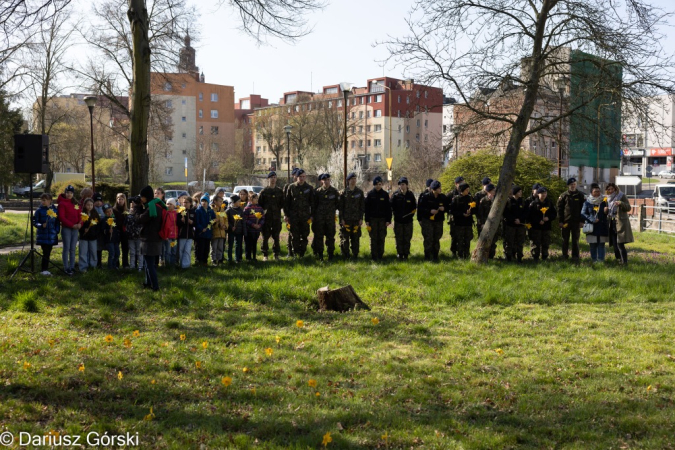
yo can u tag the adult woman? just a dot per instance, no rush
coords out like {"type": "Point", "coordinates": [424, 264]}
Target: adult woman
{"type": "Point", "coordinates": [69, 216]}
{"type": "Point", "coordinates": [120, 210]}
{"type": "Point", "coordinates": [151, 244]}
{"type": "Point", "coordinates": [620, 232]}
{"type": "Point", "coordinates": [593, 212]}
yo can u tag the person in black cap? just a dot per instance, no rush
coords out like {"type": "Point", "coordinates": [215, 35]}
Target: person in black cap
{"type": "Point", "coordinates": [272, 201]}
{"type": "Point", "coordinates": [431, 210]}
{"type": "Point", "coordinates": [477, 199]}
{"type": "Point", "coordinates": [298, 212]}
{"type": "Point", "coordinates": [294, 175]}
{"type": "Point", "coordinates": [450, 197]}
{"type": "Point", "coordinates": [484, 208]}
{"type": "Point", "coordinates": [326, 201]}
{"type": "Point", "coordinates": [151, 243]}
{"type": "Point", "coordinates": [463, 209]}
{"type": "Point", "coordinates": [351, 207]}
{"type": "Point", "coordinates": [403, 207]}
{"type": "Point", "coordinates": [428, 188]}
{"type": "Point", "coordinates": [570, 221]}
{"type": "Point", "coordinates": [515, 218]}
{"type": "Point", "coordinates": [542, 213]}
{"type": "Point", "coordinates": [100, 243]}
{"type": "Point", "coordinates": [378, 218]}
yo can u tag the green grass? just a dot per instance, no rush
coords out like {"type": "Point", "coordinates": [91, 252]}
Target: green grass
{"type": "Point", "coordinates": [463, 356]}
{"type": "Point", "coordinates": [13, 229]}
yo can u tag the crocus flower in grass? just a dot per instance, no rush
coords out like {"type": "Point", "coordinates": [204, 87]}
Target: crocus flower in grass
{"type": "Point", "coordinates": [543, 210]}
{"type": "Point", "coordinates": [312, 383]}
{"type": "Point", "coordinates": [245, 370]}
{"type": "Point", "coordinates": [499, 351]}
{"type": "Point", "coordinates": [300, 324]}
{"type": "Point", "coordinates": [150, 416]}
{"type": "Point", "coordinates": [108, 339]}
{"type": "Point", "coordinates": [110, 221]}
{"type": "Point", "coordinates": [127, 343]}
{"type": "Point", "coordinates": [137, 333]}
{"type": "Point", "coordinates": [375, 320]}
{"type": "Point", "coordinates": [205, 345]}
{"type": "Point", "coordinates": [119, 375]}
{"type": "Point", "coordinates": [326, 439]}
{"type": "Point", "coordinates": [268, 351]}
{"type": "Point", "coordinates": [198, 364]}
{"type": "Point", "coordinates": [226, 381]}
{"type": "Point", "coordinates": [182, 337]}
{"type": "Point", "coordinates": [81, 367]}
{"type": "Point", "coordinates": [278, 339]}
{"type": "Point", "coordinates": [472, 205]}
{"type": "Point", "coordinates": [26, 365]}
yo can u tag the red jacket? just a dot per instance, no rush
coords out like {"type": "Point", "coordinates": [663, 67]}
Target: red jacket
{"type": "Point", "coordinates": [68, 215]}
{"type": "Point", "coordinates": [169, 227]}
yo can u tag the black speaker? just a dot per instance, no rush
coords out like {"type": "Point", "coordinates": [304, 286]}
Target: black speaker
{"type": "Point", "coordinates": [31, 153]}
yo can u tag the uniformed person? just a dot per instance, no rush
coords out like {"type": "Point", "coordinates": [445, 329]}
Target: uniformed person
{"type": "Point", "coordinates": [570, 203]}
{"type": "Point", "coordinates": [528, 201]}
{"type": "Point", "coordinates": [351, 207]}
{"type": "Point", "coordinates": [431, 211]}
{"type": "Point", "coordinates": [515, 218]}
{"type": "Point", "coordinates": [428, 189]}
{"type": "Point", "coordinates": [298, 212]}
{"type": "Point", "coordinates": [326, 199]}
{"type": "Point", "coordinates": [541, 215]}
{"type": "Point", "coordinates": [403, 206]}
{"type": "Point", "coordinates": [482, 214]}
{"type": "Point", "coordinates": [480, 195]}
{"type": "Point", "coordinates": [271, 199]}
{"type": "Point", "coordinates": [463, 209]}
{"type": "Point", "coordinates": [294, 174]}
{"type": "Point", "coordinates": [378, 218]}
{"type": "Point", "coordinates": [450, 196]}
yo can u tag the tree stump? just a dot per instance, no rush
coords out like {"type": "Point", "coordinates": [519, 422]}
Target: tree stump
{"type": "Point", "coordinates": [341, 299]}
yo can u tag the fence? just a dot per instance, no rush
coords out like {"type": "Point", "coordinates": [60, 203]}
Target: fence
{"type": "Point", "coordinates": [652, 218]}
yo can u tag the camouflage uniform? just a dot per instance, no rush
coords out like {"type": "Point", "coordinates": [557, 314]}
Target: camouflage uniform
{"type": "Point", "coordinates": [378, 214]}
{"type": "Point", "coordinates": [514, 234]}
{"type": "Point", "coordinates": [483, 211]}
{"type": "Point", "coordinates": [540, 235]}
{"type": "Point", "coordinates": [463, 225]}
{"type": "Point", "coordinates": [298, 209]}
{"type": "Point", "coordinates": [478, 197]}
{"type": "Point", "coordinates": [271, 199]}
{"type": "Point", "coordinates": [323, 224]}
{"type": "Point", "coordinates": [432, 225]}
{"type": "Point", "coordinates": [290, 241]}
{"type": "Point", "coordinates": [453, 238]}
{"type": "Point", "coordinates": [351, 205]}
{"type": "Point", "coordinates": [403, 207]}
{"type": "Point", "coordinates": [569, 209]}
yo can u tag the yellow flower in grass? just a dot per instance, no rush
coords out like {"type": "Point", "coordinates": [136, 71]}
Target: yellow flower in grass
{"type": "Point", "coordinates": [385, 436]}
{"type": "Point", "coordinates": [150, 416]}
{"type": "Point", "coordinates": [198, 364]}
{"type": "Point", "coordinates": [81, 367]}
{"type": "Point", "coordinates": [137, 333]}
{"type": "Point", "coordinates": [51, 342]}
{"type": "Point", "coordinates": [26, 365]}
{"type": "Point", "coordinates": [649, 388]}
{"type": "Point", "coordinates": [108, 339]}
{"type": "Point", "coordinates": [528, 226]}
{"type": "Point", "coordinates": [299, 324]}
{"type": "Point", "coordinates": [182, 337]}
{"type": "Point", "coordinates": [318, 394]}
{"type": "Point", "coordinates": [119, 375]}
{"type": "Point", "coordinates": [173, 244]}
{"type": "Point", "coordinates": [278, 339]}
{"type": "Point", "coordinates": [375, 320]}
{"type": "Point", "coordinates": [543, 210]}
{"type": "Point", "coordinates": [245, 370]}
{"type": "Point", "coordinates": [472, 205]}
{"type": "Point", "coordinates": [153, 382]}
{"type": "Point", "coordinates": [110, 221]}
{"type": "Point", "coordinates": [226, 381]}
{"type": "Point", "coordinates": [499, 351]}
{"type": "Point", "coordinates": [268, 351]}
{"type": "Point", "coordinates": [326, 439]}
{"type": "Point", "coordinates": [127, 343]}
{"type": "Point", "coordinates": [312, 383]}
{"type": "Point", "coordinates": [205, 345]}
{"type": "Point", "coordinates": [258, 215]}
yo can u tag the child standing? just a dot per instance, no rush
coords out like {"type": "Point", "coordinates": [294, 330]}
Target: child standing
{"type": "Point", "coordinates": [169, 233]}
{"type": "Point", "coordinates": [98, 206]}
{"type": "Point", "coordinates": [89, 232]}
{"type": "Point", "coordinates": [219, 231]}
{"type": "Point", "coordinates": [133, 231]}
{"type": "Point", "coordinates": [255, 218]}
{"type": "Point", "coordinates": [236, 228]}
{"type": "Point", "coordinates": [204, 219]}
{"type": "Point", "coordinates": [111, 237]}
{"type": "Point", "coordinates": [186, 232]}
{"type": "Point", "coordinates": [48, 228]}
{"type": "Point", "coordinates": [69, 216]}
{"type": "Point", "coordinates": [120, 210]}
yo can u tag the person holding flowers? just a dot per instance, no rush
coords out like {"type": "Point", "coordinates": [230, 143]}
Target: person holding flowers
{"type": "Point", "coordinates": [403, 207]}
{"type": "Point", "coordinates": [111, 237]}
{"type": "Point", "coordinates": [205, 217]}
{"type": "Point", "coordinates": [515, 219]}
{"type": "Point", "coordinates": [483, 212]}
{"type": "Point", "coordinates": [219, 229]}
{"type": "Point", "coordinates": [272, 201]}
{"type": "Point", "coordinates": [236, 229]}
{"type": "Point", "coordinates": [570, 221]}
{"type": "Point", "coordinates": [620, 232]}
{"type": "Point", "coordinates": [151, 243]}
{"type": "Point", "coordinates": [91, 227]}
{"type": "Point", "coordinates": [298, 212]}
{"type": "Point", "coordinates": [324, 213]}
{"type": "Point", "coordinates": [351, 207]}
{"type": "Point", "coordinates": [186, 231]}
{"type": "Point", "coordinates": [593, 212]}
{"type": "Point", "coordinates": [254, 216]}
{"type": "Point", "coordinates": [540, 216]}
{"type": "Point", "coordinates": [121, 211]}
{"type": "Point", "coordinates": [133, 231]}
{"type": "Point", "coordinates": [463, 209]}
{"type": "Point", "coordinates": [69, 216]}
{"type": "Point", "coordinates": [169, 233]}
{"type": "Point", "coordinates": [48, 227]}
{"type": "Point", "coordinates": [431, 210]}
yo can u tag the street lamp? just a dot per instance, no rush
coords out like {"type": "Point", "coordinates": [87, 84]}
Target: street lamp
{"type": "Point", "coordinates": [346, 88]}
{"type": "Point", "coordinates": [91, 102]}
{"type": "Point", "coordinates": [602, 105]}
{"type": "Point", "coordinates": [288, 129]}
{"type": "Point", "coordinates": [560, 84]}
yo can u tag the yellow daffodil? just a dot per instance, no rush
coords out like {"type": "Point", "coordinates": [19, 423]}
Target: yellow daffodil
{"type": "Point", "coordinates": [258, 215]}
{"type": "Point", "coordinates": [433, 217]}
{"type": "Point", "coordinates": [299, 324]}
{"type": "Point", "coordinates": [119, 375]}
{"type": "Point", "coordinates": [245, 370]}
{"type": "Point", "coordinates": [76, 207]}
{"type": "Point", "coordinates": [94, 221]}
{"type": "Point", "coordinates": [81, 367]}
{"type": "Point", "coordinates": [110, 221]}
{"type": "Point", "coordinates": [649, 388]}
{"type": "Point", "coordinates": [604, 199]}
{"type": "Point", "coordinates": [356, 229]}
{"type": "Point", "coordinates": [127, 343]}
{"type": "Point", "coordinates": [137, 333]}
{"type": "Point", "coordinates": [108, 339]}
{"type": "Point", "coordinates": [226, 381]}
{"type": "Point", "coordinates": [499, 351]}
{"type": "Point", "coordinates": [198, 364]}
{"type": "Point", "coordinates": [326, 439]}
{"type": "Point", "coordinates": [278, 339]}
{"type": "Point", "coordinates": [173, 244]}
{"type": "Point", "coordinates": [369, 228]}
{"type": "Point", "coordinates": [543, 210]}
{"type": "Point", "coordinates": [528, 226]}
{"type": "Point", "coordinates": [375, 320]}
{"type": "Point", "coordinates": [26, 365]}
{"type": "Point", "coordinates": [84, 217]}
{"type": "Point", "coordinates": [472, 205]}
{"type": "Point", "coordinates": [181, 209]}
{"type": "Point", "coordinates": [596, 208]}
{"type": "Point", "coordinates": [565, 225]}
{"type": "Point", "coordinates": [182, 337]}
{"type": "Point", "coordinates": [312, 383]}
{"type": "Point", "coordinates": [126, 213]}
{"type": "Point", "coordinates": [288, 226]}
{"type": "Point", "coordinates": [268, 351]}
{"type": "Point", "coordinates": [318, 394]}
{"type": "Point", "coordinates": [51, 342]}
{"type": "Point", "coordinates": [309, 221]}
{"type": "Point", "coordinates": [237, 217]}
{"type": "Point", "coordinates": [385, 436]}
{"type": "Point", "coordinates": [205, 345]}
{"type": "Point", "coordinates": [51, 213]}
{"type": "Point", "coordinates": [150, 416]}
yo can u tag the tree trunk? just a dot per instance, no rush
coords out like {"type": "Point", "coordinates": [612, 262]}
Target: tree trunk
{"type": "Point", "coordinates": [508, 170]}
{"type": "Point", "coordinates": [341, 299]}
{"type": "Point", "coordinates": [139, 110]}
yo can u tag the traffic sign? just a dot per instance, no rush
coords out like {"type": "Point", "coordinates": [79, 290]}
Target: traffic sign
{"type": "Point", "coordinates": [389, 161]}
{"type": "Point", "coordinates": [390, 176]}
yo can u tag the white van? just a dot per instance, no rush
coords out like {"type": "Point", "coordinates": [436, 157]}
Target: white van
{"type": "Point", "coordinates": [255, 189]}
{"type": "Point", "coordinates": [664, 198]}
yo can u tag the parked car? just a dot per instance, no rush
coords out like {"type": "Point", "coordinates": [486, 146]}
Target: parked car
{"type": "Point", "coordinates": [664, 198]}
{"type": "Point", "coordinates": [208, 186]}
{"type": "Point", "coordinates": [38, 190]}
{"type": "Point", "coordinates": [175, 194]}
{"type": "Point", "coordinates": [667, 174]}
{"type": "Point", "coordinates": [256, 189]}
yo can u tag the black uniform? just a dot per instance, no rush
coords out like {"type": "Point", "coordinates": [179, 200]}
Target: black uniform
{"type": "Point", "coordinates": [477, 198]}
{"type": "Point", "coordinates": [540, 233]}
{"type": "Point", "coordinates": [271, 199]}
{"type": "Point", "coordinates": [463, 224]}
{"type": "Point", "coordinates": [514, 233]}
{"type": "Point", "coordinates": [569, 209]}
{"type": "Point", "coordinates": [431, 224]}
{"type": "Point", "coordinates": [323, 211]}
{"type": "Point", "coordinates": [403, 207]}
{"type": "Point", "coordinates": [378, 214]}
{"type": "Point", "coordinates": [453, 239]}
{"type": "Point", "coordinates": [351, 207]}
{"type": "Point", "coordinates": [298, 209]}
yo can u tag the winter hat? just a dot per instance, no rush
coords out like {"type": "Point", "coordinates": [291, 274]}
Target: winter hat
{"type": "Point", "coordinates": [435, 185]}
{"type": "Point", "coordinates": [205, 197]}
{"type": "Point", "coordinates": [107, 206]}
{"type": "Point", "coordinates": [541, 190]}
{"type": "Point", "coordinates": [403, 180]}
{"type": "Point", "coordinates": [220, 189]}
{"type": "Point", "coordinates": [516, 189]}
{"type": "Point", "coordinates": [490, 187]}
{"type": "Point", "coordinates": [271, 174]}
{"type": "Point", "coordinates": [377, 179]}
{"type": "Point", "coordinates": [146, 192]}
{"type": "Point", "coordinates": [459, 180]}
{"type": "Point", "coordinates": [350, 176]}
{"type": "Point", "coordinates": [171, 201]}
{"type": "Point", "coordinates": [97, 197]}
{"type": "Point", "coordinates": [486, 181]}
{"type": "Point", "coordinates": [571, 180]}
{"type": "Point", "coordinates": [429, 181]}
{"type": "Point", "coordinates": [70, 188]}
{"type": "Point", "coordinates": [462, 187]}
{"type": "Point", "coordinates": [234, 199]}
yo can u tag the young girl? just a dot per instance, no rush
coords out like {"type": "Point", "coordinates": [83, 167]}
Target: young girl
{"type": "Point", "coordinates": [219, 231]}
{"type": "Point", "coordinates": [111, 237]}
{"type": "Point", "coordinates": [204, 217]}
{"type": "Point", "coordinates": [186, 231]}
{"type": "Point", "coordinates": [169, 233]}
{"type": "Point", "coordinates": [243, 196]}
{"type": "Point", "coordinates": [89, 232]}
{"type": "Point", "coordinates": [254, 216]}
{"type": "Point", "coordinates": [48, 228]}
{"type": "Point", "coordinates": [120, 211]}
{"type": "Point", "coordinates": [236, 228]}
{"type": "Point", "coordinates": [69, 216]}
{"type": "Point", "coordinates": [133, 232]}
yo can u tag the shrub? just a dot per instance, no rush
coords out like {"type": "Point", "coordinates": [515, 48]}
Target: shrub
{"type": "Point", "coordinates": [108, 190]}
{"type": "Point", "coordinates": [59, 188]}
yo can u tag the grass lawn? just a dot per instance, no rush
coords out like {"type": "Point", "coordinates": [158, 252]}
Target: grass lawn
{"type": "Point", "coordinates": [13, 229]}
{"type": "Point", "coordinates": [451, 356]}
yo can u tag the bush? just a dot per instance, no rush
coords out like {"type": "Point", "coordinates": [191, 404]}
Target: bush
{"type": "Point", "coordinates": [108, 190]}
{"type": "Point", "coordinates": [59, 188]}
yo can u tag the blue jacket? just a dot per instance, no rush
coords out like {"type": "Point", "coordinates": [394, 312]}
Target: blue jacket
{"type": "Point", "coordinates": [50, 234]}
{"type": "Point", "coordinates": [203, 218]}
{"type": "Point", "coordinates": [588, 215]}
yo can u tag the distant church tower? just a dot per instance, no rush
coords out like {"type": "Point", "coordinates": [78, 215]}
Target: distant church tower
{"type": "Point", "coordinates": [186, 63]}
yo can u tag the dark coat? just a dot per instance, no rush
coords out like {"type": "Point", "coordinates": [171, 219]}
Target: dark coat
{"type": "Point", "coordinates": [111, 234]}
{"type": "Point", "coordinates": [89, 231]}
{"type": "Point", "coordinates": [48, 235]}
{"type": "Point", "coordinates": [428, 202]}
{"type": "Point", "coordinates": [402, 206]}
{"type": "Point", "coordinates": [569, 207]}
{"type": "Point", "coordinates": [535, 215]}
{"type": "Point", "coordinates": [151, 242]}
{"type": "Point", "coordinates": [203, 218]}
{"type": "Point", "coordinates": [377, 205]}
{"type": "Point", "coordinates": [588, 214]}
{"type": "Point", "coordinates": [185, 230]}
{"type": "Point", "coordinates": [515, 209]}
{"type": "Point", "coordinates": [460, 206]}
{"type": "Point", "coordinates": [236, 227]}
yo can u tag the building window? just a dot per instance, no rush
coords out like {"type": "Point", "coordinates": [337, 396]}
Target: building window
{"type": "Point", "coordinates": [418, 123]}
{"type": "Point", "coordinates": [360, 114]}
{"type": "Point", "coordinates": [214, 97]}
{"type": "Point", "coordinates": [214, 130]}
{"type": "Point", "coordinates": [330, 104]}
{"type": "Point", "coordinates": [399, 114]}
{"type": "Point", "coordinates": [214, 146]}
{"type": "Point", "coordinates": [361, 129]}
{"type": "Point", "coordinates": [378, 128]}
{"type": "Point", "coordinates": [331, 90]}
{"type": "Point", "coordinates": [417, 108]}
{"type": "Point", "coordinates": [167, 87]}
{"type": "Point", "coordinates": [214, 113]}
{"type": "Point", "coordinates": [168, 171]}
{"type": "Point", "coordinates": [400, 127]}
{"type": "Point", "coordinates": [185, 152]}
{"type": "Point", "coordinates": [353, 144]}
{"type": "Point", "coordinates": [257, 161]}
{"type": "Point", "coordinates": [339, 104]}
{"type": "Point", "coordinates": [201, 129]}
{"type": "Point", "coordinates": [183, 119]}
{"type": "Point", "coordinates": [426, 138]}
{"type": "Point", "coordinates": [368, 129]}
{"type": "Point", "coordinates": [378, 98]}
{"type": "Point", "coordinates": [201, 114]}
{"type": "Point", "coordinates": [399, 99]}
{"type": "Point", "coordinates": [417, 93]}
{"type": "Point", "coordinates": [354, 101]}
{"type": "Point", "coordinates": [378, 142]}
{"type": "Point", "coordinates": [426, 124]}
{"type": "Point", "coordinates": [399, 143]}
{"type": "Point", "coordinates": [169, 104]}
{"type": "Point", "coordinates": [368, 142]}
{"type": "Point", "coordinates": [417, 137]}
{"type": "Point", "coordinates": [552, 144]}
{"type": "Point", "coordinates": [361, 100]}
{"type": "Point", "coordinates": [184, 135]}
{"type": "Point", "coordinates": [264, 160]}
{"type": "Point", "coordinates": [407, 99]}
{"type": "Point", "coordinates": [407, 128]}
{"type": "Point", "coordinates": [368, 114]}
{"type": "Point", "coordinates": [183, 102]}
{"type": "Point", "coordinates": [378, 157]}
{"type": "Point", "coordinates": [426, 94]}
{"type": "Point", "coordinates": [353, 129]}
{"type": "Point", "coordinates": [353, 115]}
{"type": "Point", "coordinates": [368, 157]}
{"type": "Point", "coordinates": [378, 113]}
{"type": "Point", "coordinates": [257, 150]}
{"type": "Point", "coordinates": [407, 144]}
{"type": "Point", "coordinates": [297, 108]}
{"type": "Point", "coordinates": [201, 97]}
{"type": "Point", "coordinates": [361, 143]}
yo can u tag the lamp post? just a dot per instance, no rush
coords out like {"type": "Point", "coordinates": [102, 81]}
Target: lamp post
{"type": "Point", "coordinates": [91, 102]}
{"type": "Point", "coordinates": [288, 129]}
{"type": "Point", "coordinates": [561, 84]}
{"type": "Point", "coordinates": [346, 88]}
{"type": "Point", "coordinates": [597, 169]}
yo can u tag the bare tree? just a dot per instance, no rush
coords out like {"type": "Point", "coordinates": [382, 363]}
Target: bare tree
{"type": "Point", "coordinates": [334, 165]}
{"type": "Point", "coordinates": [269, 127]}
{"type": "Point", "coordinates": [469, 45]}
